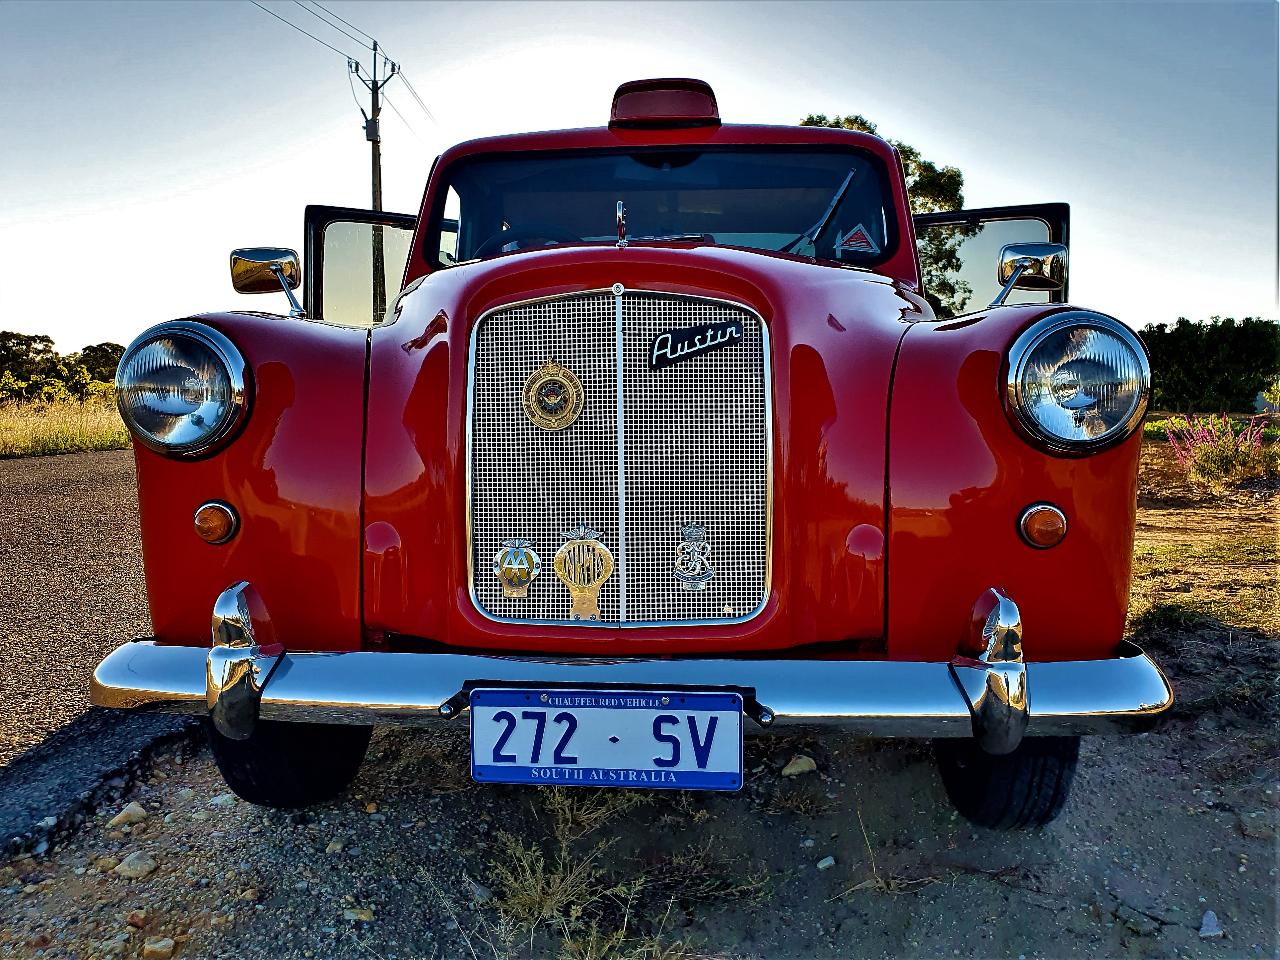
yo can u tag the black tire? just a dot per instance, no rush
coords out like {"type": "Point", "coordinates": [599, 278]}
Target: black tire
{"type": "Point", "coordinates": [1026, 788]}
{"type": "Point", "coordinates": [286, 764]}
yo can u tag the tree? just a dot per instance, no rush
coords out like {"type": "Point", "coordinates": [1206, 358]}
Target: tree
{"type": "Point", "coordinates": [1213, 367]}
{"type": "Point", "coordinates": [27, 355]}
{"type": "Point", "coordinates": [11, 388]}
{"type": "Point", "coordinates": [100, 359]}
{"type": "Point", "coordinates": [930, 189]}
{"type": "Point", "coordinates": [78, 382]}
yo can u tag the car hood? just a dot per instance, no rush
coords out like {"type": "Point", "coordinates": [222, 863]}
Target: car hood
{"type": "Point", "coordinates": [832, 337]}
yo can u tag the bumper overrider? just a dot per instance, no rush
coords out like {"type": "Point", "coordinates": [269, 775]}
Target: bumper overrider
{"type": "Point", "coordinates": [995, 697]}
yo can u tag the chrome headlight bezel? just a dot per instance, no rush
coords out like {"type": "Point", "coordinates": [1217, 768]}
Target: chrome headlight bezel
{"type": "Point", "coordinates": [1023, 350]}
{"type": "Point", "coordinates": [233, 364]}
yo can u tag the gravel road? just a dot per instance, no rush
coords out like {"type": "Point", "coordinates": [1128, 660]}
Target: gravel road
{"type": "Point", "coordinates": [71, 588]}
{"type": "Point", "coordinates": [72, 585]}
{"type": "Point", "coordinates": [416, 862]}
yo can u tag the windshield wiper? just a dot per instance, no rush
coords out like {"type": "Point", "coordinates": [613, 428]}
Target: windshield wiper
{"type": "Point", "coordinates": [814, 232]}
{"type": "Point", "coordinates": [677, 238]}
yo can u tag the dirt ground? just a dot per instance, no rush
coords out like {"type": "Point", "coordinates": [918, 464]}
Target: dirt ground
{"type": "Point", "coordinates": [416, 862]}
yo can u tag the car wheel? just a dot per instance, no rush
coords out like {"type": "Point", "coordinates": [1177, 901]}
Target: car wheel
{"type": "Point", "coordinates": [286, 764]}
{"type": "Point", "coordinates": [1026, 788]}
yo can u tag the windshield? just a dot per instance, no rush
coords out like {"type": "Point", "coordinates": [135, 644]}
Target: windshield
{"type": "Point", "coordinates": [832, 204]}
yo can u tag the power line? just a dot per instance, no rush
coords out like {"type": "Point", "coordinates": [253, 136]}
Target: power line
{"type": "Point", "coordinates": [289, 23]}
{"type": "Point", "coordinates": [408, 126]}
{"type": "Point", "coordinates": [414, 93]}
{"type": "Point", "coordinates": [349, 36]}
{"type": "Point", "coordinates": [314, 3]}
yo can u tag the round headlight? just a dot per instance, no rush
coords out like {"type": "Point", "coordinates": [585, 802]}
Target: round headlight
{"type": "Point", "coordinates": [181, 388]}
{"type": "Point", "coordinates": [1078, 381]}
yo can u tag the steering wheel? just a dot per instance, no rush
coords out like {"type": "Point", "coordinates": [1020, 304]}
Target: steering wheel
{"type": "Point", "coordinates": [532, 231]}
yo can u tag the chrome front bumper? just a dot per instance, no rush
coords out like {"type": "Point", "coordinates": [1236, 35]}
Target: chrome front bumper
{"type": "Point", "coordinates": [997, 698]}
{"type": "Point", "coordinates": [872, 697]}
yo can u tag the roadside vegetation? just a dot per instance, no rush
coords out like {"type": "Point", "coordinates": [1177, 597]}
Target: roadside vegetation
{"type": "Point", "coordinates": [42, 429]}
{"type": "Point", "coordinates": [1206, 586]}
{"type": "Point", "coordinates": [52, 403]}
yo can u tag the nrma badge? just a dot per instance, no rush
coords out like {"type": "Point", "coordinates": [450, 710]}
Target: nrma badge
{"type": "Point", "coordinates": [583, 564]}
{"type": "Point", "coordinates": [516, 565]}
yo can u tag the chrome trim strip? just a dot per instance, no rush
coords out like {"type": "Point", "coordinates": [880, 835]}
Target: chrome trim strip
{"type": "Point", "coordinates": [874, 697]}
{"type": "Point", "coordinates": [767, 369]}
{"type": "Point", "coordinates": [621, 430]}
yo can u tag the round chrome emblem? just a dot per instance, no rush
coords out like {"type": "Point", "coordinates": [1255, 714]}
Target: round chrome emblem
{"type": "Point", "coordinates": [516, 565]}
{"type": "Point", "coordinates": [553, 396]}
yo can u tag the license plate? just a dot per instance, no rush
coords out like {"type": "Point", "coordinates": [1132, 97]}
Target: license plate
{"type": "Point", "coordinates": [643, 739]}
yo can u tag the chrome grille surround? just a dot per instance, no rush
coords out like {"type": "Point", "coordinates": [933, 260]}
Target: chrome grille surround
{"type": "Point", "coordinates": [696, 447]}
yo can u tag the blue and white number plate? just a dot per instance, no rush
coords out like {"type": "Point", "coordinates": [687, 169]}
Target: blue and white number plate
{"type": "Point", "coordinates": [643, 739]}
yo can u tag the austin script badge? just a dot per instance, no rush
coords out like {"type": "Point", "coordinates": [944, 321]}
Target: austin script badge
{"type": "Point", "coordinates": [693, 569]}
{"type": "Point", "coordinates": [515, 565]}
{"type": "Point", "coordinates": [553, 396]}
{"type": "Point", "coordinates": [676, 346]}
{"type": "Point", "coordinates": [583, 564]}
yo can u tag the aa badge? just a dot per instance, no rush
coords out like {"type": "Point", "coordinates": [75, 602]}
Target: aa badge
{"type": "Point", "coordinates": [583, 564]}
{"type": "Point", "coordinates": [693, 569]}
{"type": "Point", "coordinates": [553, 396]}
{"type": "Point", "coordinates": [515, 565]}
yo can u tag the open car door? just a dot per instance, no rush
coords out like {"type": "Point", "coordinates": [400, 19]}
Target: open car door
{"type": "Point", "coordinates": [960, 253]}
{"type": "Point", "coordinates": [355, 262]}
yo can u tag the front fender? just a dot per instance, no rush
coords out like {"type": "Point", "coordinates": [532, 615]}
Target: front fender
{"type": "Point", "coordinates": [960, 476]}
{"type": "Point", "coordinates": [293, 475]}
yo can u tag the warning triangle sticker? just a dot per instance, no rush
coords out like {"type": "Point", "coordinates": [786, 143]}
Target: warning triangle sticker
{"type": "Point", "coordinates": [857, 240]}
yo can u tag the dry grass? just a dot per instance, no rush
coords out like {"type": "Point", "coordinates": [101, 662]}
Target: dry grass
{"type": "Point", "coordinates": [33, 430]}
{"type": "Point", "coordinates": [576, 812]}
{"type": "Point", "coordinates": [699, 874]}
{"type": "Point", "coordinates": [560, 891]}
{"type": "Point", "coordinates": [890, 883]}
{"type": "Point", "coordinates": [597, 943]}
{"type": "Point", "coordinates": [1228, 576]}
{"type": "Point", "coordinates": [799, 799]}
{"type": "Point", "coordinates": [1206, 599]}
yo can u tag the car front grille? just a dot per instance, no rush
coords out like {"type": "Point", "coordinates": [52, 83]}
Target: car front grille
{"type": "Point", "coordinates": [658, 463]}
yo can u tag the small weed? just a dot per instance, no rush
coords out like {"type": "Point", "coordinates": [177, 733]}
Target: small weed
{"type": "Point", "coordinates": [883, 883]}
{"type": "Point", "coordinates": [576, 812]}
{"type": "Point", "coordinates": [486, 938]}
{"type": "Point", "coordinates": [619, 945]}
{"type": "Point", "coordinates": [800, 801]}
{"type": "Point", "coordinates": [532, 891]}
{"type": "Point", "coordinates": [699, 874]}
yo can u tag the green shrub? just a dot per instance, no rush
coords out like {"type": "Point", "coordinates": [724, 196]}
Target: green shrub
{"type": "Point", "coordinates": [1213, 452]}
{"type": "Point", "coordinates": [1159, 429]}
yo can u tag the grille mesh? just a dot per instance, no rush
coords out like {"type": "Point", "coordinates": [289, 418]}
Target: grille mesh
{"type": "Point", "coordinates": [696, 451]}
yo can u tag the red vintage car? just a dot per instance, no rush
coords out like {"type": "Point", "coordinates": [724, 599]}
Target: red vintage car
{"type": "Point", "coordinates": [669, 431]}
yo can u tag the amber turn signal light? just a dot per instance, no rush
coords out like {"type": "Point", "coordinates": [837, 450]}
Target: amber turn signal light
{"type": "Point", "coordinates": [216, 522]}
{"type": "Point", "coordinates": [1043, 525]}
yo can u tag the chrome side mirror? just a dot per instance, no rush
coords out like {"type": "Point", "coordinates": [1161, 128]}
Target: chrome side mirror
{"type": "Point", "coordinates": [267, 270]}
{"type": "Point", "coordinates": [1030, 266]}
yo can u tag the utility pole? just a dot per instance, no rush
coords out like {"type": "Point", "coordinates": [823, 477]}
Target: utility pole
{"type": "Point", "coordinates": [373, 134]}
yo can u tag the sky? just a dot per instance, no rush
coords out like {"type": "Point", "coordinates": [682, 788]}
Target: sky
{"type": "Point", "coordinates": [143, 141]}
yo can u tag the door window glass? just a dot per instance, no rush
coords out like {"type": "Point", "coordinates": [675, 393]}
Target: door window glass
{"type": "Point", "coordinates": [363, 266]}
